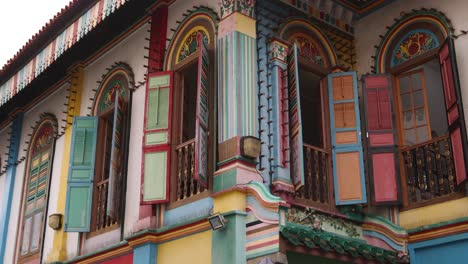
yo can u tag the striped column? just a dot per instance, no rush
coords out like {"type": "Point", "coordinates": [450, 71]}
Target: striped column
{"type": "Point", "coordinates": [7, 194]}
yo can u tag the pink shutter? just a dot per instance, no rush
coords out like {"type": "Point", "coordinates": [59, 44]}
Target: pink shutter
{"type": "Point", "coordinates": [381, 139]}
{"type": "Point", "coordinates": [454, 107]}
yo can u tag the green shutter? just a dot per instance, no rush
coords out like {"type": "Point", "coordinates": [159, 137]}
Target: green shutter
{"type": "Point", "coordinates": [156, 139]}
{"type": "Point", "coordinates": [81, 174]}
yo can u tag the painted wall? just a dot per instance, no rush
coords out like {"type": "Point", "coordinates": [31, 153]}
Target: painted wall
{"type": "Point", "coordinates": [195, 249]}
{"type": "Point", "coordinates": [31, 116]}
{"type": "Point", "coordinates": [451, 249]}
{"type": "Point", "coordinates": [131, 51]}
{"type": "Point", "coordinates": [369, 28]}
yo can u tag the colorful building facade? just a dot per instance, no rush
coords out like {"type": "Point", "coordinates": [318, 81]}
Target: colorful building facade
{"type": "Point", "coordinates": [308, 131]}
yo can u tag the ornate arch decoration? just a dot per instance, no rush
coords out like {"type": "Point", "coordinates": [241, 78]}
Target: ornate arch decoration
{"type": "Point", "coordinates": [410, 36]}
{"type": "Point", "coordinates": [43, 134]}
{"type": "Point", "coordinates": [312, 43]}
{"type": "Point", "coordinates": [184, 41]}
{"type": "Point", "coordinates": [119, 77]}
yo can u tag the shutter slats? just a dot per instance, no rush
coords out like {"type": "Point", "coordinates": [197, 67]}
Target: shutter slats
{"type": "Point", "coordinates": [295, 126]}
{"type": "Point", "coordinates": [81, 174]}
{"type": "Point", "coordinates": [202, 114]}
{"type": "Point", "coordinates": [454, 106]}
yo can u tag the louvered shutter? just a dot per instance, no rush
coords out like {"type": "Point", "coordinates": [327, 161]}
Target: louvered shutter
{"type": "Point", "coordinates": [157, 139]}
{"type": "Point", "coordinates": [454, 107]}
{"type": "Point", "coordinates": [348, 163]}
{"type": "Point", "coordinates": [115, 172]}
{"type": "Point", "coordinates": [81, 174]}
{"type": "Point", "coordinates": [202, 114]}
{"type": "Point", "coordinates": [295, 120]}
{"type": "Point", "coordinates": [381, 147]}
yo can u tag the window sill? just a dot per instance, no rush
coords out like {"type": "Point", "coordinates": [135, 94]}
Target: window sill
{"type": "Point", "coordinates": [185, 201]}
{"type": "Point", "coordinates": [441, 199]}
{"type": "Point", "coordinates": [102, 230]}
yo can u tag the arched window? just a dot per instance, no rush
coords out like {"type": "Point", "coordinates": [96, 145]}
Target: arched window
{"type": "Point", "coordinates": [36, 190]}
{"type": "Point", "coordinates": [422, 89]}
{"type": "Point", "coordinates": [179, 122]}
{"type": "Point", "coordinates": [324, 127]}
{"type": "Point", "coordinates": [98, 164]}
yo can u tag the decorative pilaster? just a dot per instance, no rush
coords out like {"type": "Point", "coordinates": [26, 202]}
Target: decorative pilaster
{"type": "Point", "coordinates": [59, 252]}
{"type": "Point", "coordinates": [281, 181]}
{"type": "Point", "coordinates": [9, 185]}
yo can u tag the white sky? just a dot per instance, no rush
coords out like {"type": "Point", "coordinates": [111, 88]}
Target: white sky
{"type": "Point", "coordinates": [20, 20]}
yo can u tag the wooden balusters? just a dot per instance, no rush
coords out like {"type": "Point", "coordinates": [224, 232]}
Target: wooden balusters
{"type": "Point", "coordinates": [187, 186]}
{"type": "Point", "coordinates": [315, 188]}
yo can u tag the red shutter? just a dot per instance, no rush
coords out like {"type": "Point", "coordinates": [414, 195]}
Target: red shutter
{"type": "Point", "coordinates": [382, 158]}
{"type": "Point", "coordinates": [202, 115]}
{"type": "Point", "coordinates": [454, 107]}
{"type": "Point", "coordinates": [157, 44]}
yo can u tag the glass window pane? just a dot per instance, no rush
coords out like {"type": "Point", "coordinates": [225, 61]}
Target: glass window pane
{"type": "Point", "coordinates": [418, 99]}
{"type": "Point", "coordinates": [416, 81]}
{"type": "Point", "coordinates": [422, 134]}
{"type": "Point", "coordinates": [410, 137]}
{"type": "Point", "coordinates": [420, 117]}
{"type": "Point", "coordinates": [406, 101]}
{"type": "Point", "coordinates": [404, 84]}
{"type": "Point", "coordinates": [408, 120]}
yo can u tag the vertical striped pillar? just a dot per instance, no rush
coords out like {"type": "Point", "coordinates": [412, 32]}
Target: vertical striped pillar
{"type": "Point", "coordinates": [59, 252]}
{"type": "Point", "coordinates": [237, 74]}
{"type": "Point", "coordinates": [7, 194]}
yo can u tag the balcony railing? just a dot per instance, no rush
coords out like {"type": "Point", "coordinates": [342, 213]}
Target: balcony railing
{"type": "Point", "coordinates": [429, 168]}
{"type": "Point", "coordinates": [102, 219]}
{"type": "Point", "coordinates": [187, 186]}
{"type": "Point", "coordinates": [315, 175]}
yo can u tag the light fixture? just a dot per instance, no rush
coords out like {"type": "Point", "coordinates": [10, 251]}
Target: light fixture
{"type": "Point", "coordinates": [217, 221]}
{"type": "Point", "coordinates": [55, 221]}
{"type": "Point", "coordinates": [250, 147]}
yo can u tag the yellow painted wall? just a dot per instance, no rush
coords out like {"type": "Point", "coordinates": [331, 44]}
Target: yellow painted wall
{"type": "Point", "coordinates": [229, 201]}
{"type": "Point", "coordinates": [195, 249]}
{"type": "Point", "coordinates": [434, 214]}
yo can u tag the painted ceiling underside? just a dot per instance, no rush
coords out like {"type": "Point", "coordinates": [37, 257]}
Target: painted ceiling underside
{"type": "Point", "coordinates": [363, 6]}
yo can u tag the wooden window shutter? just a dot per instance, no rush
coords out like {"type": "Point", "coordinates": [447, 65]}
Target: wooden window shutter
{"type": "Point", "coordinates": [115, 172]}
{"type": "Point", "coordinates": [348, 163]}
{"type": "Point", "coordinates": [295, 120]}
{"type": "Point", "coordinates": [157, 139]}
{"type": "Point", "coordinates": [381, 138]}
{"type": "Point", "coordinates": [81, 174]}
{"type": "Point", "coordinates": [202, 114]}
{"type": "Point", "coordinates": [454, 106]}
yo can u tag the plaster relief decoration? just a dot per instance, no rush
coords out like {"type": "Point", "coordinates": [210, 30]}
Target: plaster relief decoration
{"type": "Point", "coordinates": [190, 43]}
{"type": "Point", "coordinates": [413, 44]}
{"type": "Point", "coordinates": [246, 7]}
{"type": "Point", "coordinates": [321, 222]}
{"type": "Point", "coordinates": [279, 50]}
{"type": "Point", "coordinates": [309, 49]}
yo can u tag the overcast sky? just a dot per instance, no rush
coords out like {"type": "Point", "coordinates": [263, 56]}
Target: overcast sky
{"type": "Point", "coordinates": [20, 20]}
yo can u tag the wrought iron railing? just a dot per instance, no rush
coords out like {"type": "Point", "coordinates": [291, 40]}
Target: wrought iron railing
{"type": "Point", "coordinates": [429, 169]}
{"type": "Point", "coordinates": [187, 186]}
{"type": "Point", "coordinates": [316, 171]}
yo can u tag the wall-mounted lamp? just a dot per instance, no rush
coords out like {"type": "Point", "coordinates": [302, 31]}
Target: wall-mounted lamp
{"type": "Point", "coordinates": [55, 221]}
{"type": "Point", "coordinates": [217, 221]}
{"type": "Point", "coordinates": [250, 147]}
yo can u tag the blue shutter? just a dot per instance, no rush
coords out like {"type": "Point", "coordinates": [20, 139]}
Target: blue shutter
{"type": "Point", "coordinates": [348, 163]}
{"type": "Point", "coordinates": [81, 174]}
{"type": "Point", "coordinates": [295, 120]}
{"type": "Point", "coordinates": [202, 115]}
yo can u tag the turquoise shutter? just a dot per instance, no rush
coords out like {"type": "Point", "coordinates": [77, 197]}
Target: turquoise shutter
{"type": "Point", "coordinates": [295, 125]}
{"type": "Point", "coordinates": [81, 174]}
{"type": "Point", "coordinates": [348, 163]}
{"type": "Point", "coordinates": [157, 139]}
{"type": "Point", "coordinates": [115, 174]}
{"type": "Point", "coordinates": [202, 115]}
